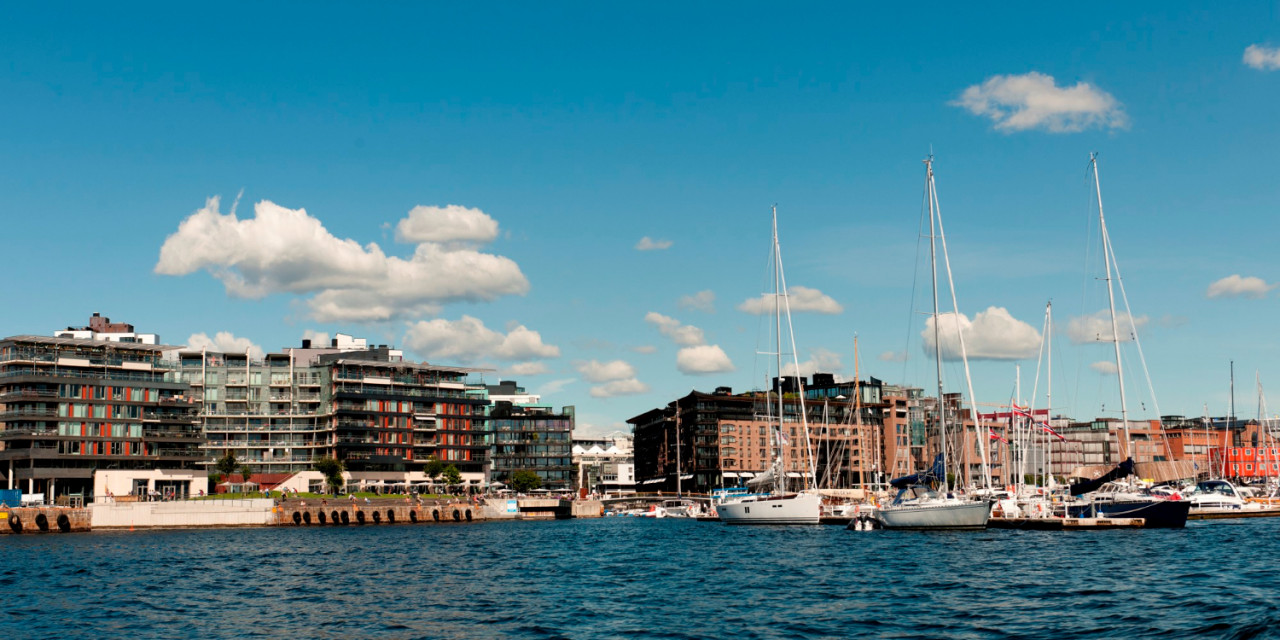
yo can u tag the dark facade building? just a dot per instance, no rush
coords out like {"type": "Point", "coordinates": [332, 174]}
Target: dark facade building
{"type": "Point", "coordinates": [531, 436]}
{"type": "Point", "coordinates": [70, 407]}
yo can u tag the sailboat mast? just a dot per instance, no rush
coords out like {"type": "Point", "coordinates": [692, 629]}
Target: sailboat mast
{"type": "Point", "coordinates": [1111, 298]}
{"type": "Point", "coordinates": [1048, 399]}
{"type": "Point", "coordinates": [937, 333]}
{"type": "Point", "coordinates": [777, 334]}
{"type": "Point", "coordinates": [964, 356]}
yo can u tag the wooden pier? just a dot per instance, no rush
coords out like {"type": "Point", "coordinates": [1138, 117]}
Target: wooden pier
{"type": "Point", "coordinates": [1069, 524]}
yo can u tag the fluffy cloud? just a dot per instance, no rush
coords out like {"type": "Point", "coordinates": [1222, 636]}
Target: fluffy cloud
{"type": "Point", "coordinates": [446, 224]}
{"type": "Point", "coordinates": [991, 335]}
{"type": "Point", "coordinates": [649, 244]}
{"type": "Point", "coordinates": [702, 301]}
{"type": "Point", "coordinates": [468, 340]}
{"type": "Point", "coordinates": [1235, 286]}
{"type": "Point", "coordinates": [820, 361]}
{"type": "Point", "coordinates": [800, 299]}
{"type": "Point", "coordinates": [644, 348]}
{"type": "Point", "coordinates": [1034, 101]}
{"type": "Point", "coordinates": [317, 338]}
{"type": "Point", "coordinates": [1105, 367]}
{"type": "Point", "coordinates": [682, 334]}
{"type": "Point", "coordinates": [224, 342]}
{"type": "Point", "coordinates": [527, 369]}
{"type": "Point", "coordinates": [1262, 58]}
{"type": "Point", "coordinates": [283, 250]}
{"type": "Point", "coordinates": [703, 360]}
{"type": "Point", "coordinates": [596, 371]}
{"type": "Point", "coordinates": [555, 386]}
{"type": "Point", "coordinates": [893, 356]}
{"type": "Point", "coordinates": [1097, 327]}
{"type": "Point", "coordinates": [627, 387]}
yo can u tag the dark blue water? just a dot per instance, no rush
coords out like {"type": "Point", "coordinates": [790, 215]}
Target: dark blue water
{"type": "Point", "coordinates": [642, 578]}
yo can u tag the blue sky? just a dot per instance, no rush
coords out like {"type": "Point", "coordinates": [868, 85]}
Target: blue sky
{"type": "Point", "coordinates": [566, 134]}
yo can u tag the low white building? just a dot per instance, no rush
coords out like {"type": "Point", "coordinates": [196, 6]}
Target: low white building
{"type": "Point", "coordinates": [606, 465]}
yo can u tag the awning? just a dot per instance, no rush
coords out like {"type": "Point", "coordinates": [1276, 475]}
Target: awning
{"type": "Point", "coordinates": [688, 477]}
{"type": "Point", "coordinates": [745, 474]}
{"type": "Point", "coordinates": [653, 481]}
{"type": "Point", "coordinates": [730, 474]}
{"type": "Point", "coordinates": [793, 474]}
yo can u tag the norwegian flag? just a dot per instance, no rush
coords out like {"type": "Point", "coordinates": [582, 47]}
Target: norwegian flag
{"type": "Point", "coordinates": [782, 437]}
{"type": "Point", "coordinates": [1049, 430]}
{"type": "Point", "coordinates": [1021, 411]}
{"type": "Point", "coordinates": [996, 436]}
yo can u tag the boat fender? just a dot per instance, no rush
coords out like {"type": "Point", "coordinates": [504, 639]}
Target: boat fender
{"type": "Point", "coordinates": [306, 517]}
{"type": "Point", "coordinates": [435, 515]}
{"type": "Point", "coordinates": [391, 516]}
{"type": "Point", "coordinates": [413, 517]}
{"type": "Point", "coordinates": [15, 523]}
{"type": "Point", "coordinates": [377, 517]}
{"type": "Point", "coordinates": [321, 517]}
{"type": "Point", "coordinates": [457, 517]}
{"type": "Point", "coordinates": [360, 517]}
{"type": "Point", "coordinates": [64, 523]}
{"type": "Point", "coordinates": [297, 518]}
{"type": "Point", "coordinates": [42, 522]}
{"type": "Point", "coordinates": [468, 515]}
{"type": "Point", "coordinates": [346, 517]}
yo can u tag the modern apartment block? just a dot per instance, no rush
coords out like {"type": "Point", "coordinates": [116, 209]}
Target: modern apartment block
{"type": "Point", "coordinates": [70, 407]}
{"type": "Point", "coordinates": [529, 435]}
{"type": "Point", "coordinates": [366, 406]}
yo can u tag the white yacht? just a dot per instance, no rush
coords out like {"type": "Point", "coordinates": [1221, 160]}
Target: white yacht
{"type": "Point", "coordinates": [1219, 496]}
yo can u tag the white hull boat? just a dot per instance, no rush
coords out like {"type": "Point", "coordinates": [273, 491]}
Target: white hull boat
{"type": "Point", "coordinates": [946, 513]}
{"type": "Point", "coordinates": [801, 508]}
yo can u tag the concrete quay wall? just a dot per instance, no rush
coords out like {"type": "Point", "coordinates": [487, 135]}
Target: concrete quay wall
{"type": "Point", "coordinates": [256, 512]}
{"type": "Point", "coordinates": [43, 520]}
{"type": "Point", "coordinates": [375, 512]}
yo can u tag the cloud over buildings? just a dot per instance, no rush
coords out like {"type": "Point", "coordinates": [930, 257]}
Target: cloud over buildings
{"type": "Point", "coordinates": [703, 360]}
{"type": "Point", "coordinates": [467, 340]}
{"type": "Point", "coordinates": [614, 378]}
{"type": "Point", "coordinates": [224, 342]}
{"type": "Point", "coordinates": [287, 251]}
{"type": "Point", "coordinates": [1035, 101]}
{"type": "Point", "coordinates": [799, 299]}
{"type": "Point", "coordinates": [993, 334]}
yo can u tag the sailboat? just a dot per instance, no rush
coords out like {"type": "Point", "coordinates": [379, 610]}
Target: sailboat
{"type": "Point", "coordinates": [1109, 495]}
{"type": "Point", "coordinates": [917, 505]}
{"type": "Point", "coordinates": [779, 506]}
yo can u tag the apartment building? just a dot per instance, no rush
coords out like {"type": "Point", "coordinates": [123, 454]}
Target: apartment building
{"type": "Point", "coordinates": [531, 436]}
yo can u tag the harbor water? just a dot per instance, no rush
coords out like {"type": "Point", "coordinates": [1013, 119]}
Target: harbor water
{"type": "Point", "coordinates": [643, 578]}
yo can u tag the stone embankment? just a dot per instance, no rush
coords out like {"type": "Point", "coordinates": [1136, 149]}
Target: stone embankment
{"type": "Point", "coordinates": [263, 512]}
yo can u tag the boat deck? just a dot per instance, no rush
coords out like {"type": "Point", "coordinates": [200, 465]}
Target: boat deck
{"type": "Point", "coordinates": [1265, 513]}
{"type": "Point", "coordinates": [1060, 524]}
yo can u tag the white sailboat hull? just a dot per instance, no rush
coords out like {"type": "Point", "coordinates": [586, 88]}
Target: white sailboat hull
{"type": "Point", "coordinates": [939, 514]}
{"type": "Point", "coordinates": [803, 508]}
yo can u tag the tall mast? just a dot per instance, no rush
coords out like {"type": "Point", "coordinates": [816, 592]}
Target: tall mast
{"type": "Point", "coordinates": [777, 334]}
{"type": "Point", "coordinates": [1048, 400]}
{"type": "Point", "coordinates": [795, 359]}
{"type": "Point", "coordinates": [1111, 297]}
{"type": "Point", "coordinates": [964, 356]}
{"type": "Point", "coordinates": [937, 333]}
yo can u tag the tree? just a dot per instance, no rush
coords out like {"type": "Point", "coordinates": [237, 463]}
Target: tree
{"type": "Point", "coordinates": [227, 465]}
{"type": "Point", "coordinates": [245, 472]}
{"type": "Point", "coordinates": [433, 468]}
{"type": "Point", "coordinates": [452, 476]}
{"type": "Point", "coordinates": [332, 469]}
{"type": "Point", "coordinates": [524, 481]}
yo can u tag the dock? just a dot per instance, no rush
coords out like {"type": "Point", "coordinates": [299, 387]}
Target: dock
{"type": "Point", "coordinates": [1265, 513]}
{"type": "Point", "coordinates": [1068, 524]}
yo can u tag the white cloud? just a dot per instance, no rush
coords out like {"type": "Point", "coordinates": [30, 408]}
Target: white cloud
{"type": "Point", "coordinates": [468, 340]}
{"type": "Point", "coordinates": [1235, 286]}
{"type": "Point", "coordinates": [596, 371]}
{"type": "Point", "coordinates": [1097, 327]}
{"type": "Point", "coordinates": [627, 387]}
{"type": "Point", "coordinates": [555, 386]}
{"type": "Point", "coordinates": [682, 334]}
{"type": "Point", "coordinates": [224, 342]}
{"type": "Point", "coordinates": [800, 298]}
{"type": "Point", "coordinates": [702, 301]}
{"type": "Point", "coordinates": [820, 361]}
{"type": "Point", "coordinates": [446, 224]}
{"type": "Point", "coordinates": [993, 334]}
{"type": "Point", "coordinates": [644, 348]}
{"type": "Point", "coordinates": [1105, 367]}
{"type": "Point", "coordinates": [649, 244]}
{"type": "Point", "coordinates": [703, 360]}
{"type": "Point", "coordinates": [893, 356]}
{"type": "Point", "coordinates": [1262, 58]}
{"type": "Point", "coordinates": [1034, 101]}
{"type": "Point", "coordinates": [283, 250]}
{"type": "Point", "coordinates": [317, 338]}
{"type": "Point", "coordinates": [527, 369]}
